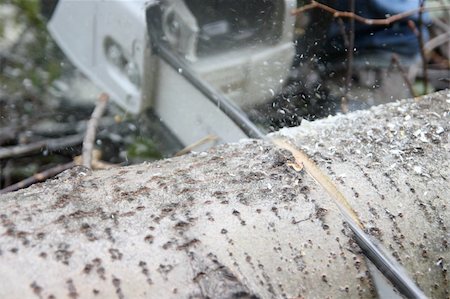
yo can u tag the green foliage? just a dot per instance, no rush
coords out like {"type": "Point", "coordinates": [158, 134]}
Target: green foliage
{"type": "Point", "coordinates": [143, 149]}
{"type": "Point", "coordinates": [43, 57]}
{"type": "Point", "coordinates": [30, 13]}
{"type": "Point", "coordinates": [419, 88]}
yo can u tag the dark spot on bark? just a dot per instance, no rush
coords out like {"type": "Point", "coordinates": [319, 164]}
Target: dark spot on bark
{"type": "Point", "coordinates": [72, 290]}
{"type": "Point", "coordinates": [60, 219]}
{"type": "Point", "coordinates": [236, 213]}
{"type": "Point", "coordinates": [99, 268]}
{"type": "Point", "coordinates": [320, 213]}
{"type": "Point", "coordinates": [252, 176]}
{"type": "Point", "coordinates": [304, 190]}
{"type": "Point", "coordinates": [357, 263]}
{"type": "Point", "coordinates": [140, 208]}
{"type": "Point", "coordinates": [88, 268]}
{"type": "Point", "coordinates": [21, 234]}
{"type": "Point", "coordinates": [86, 230]}
{"type": "Point", "coordinates": [43, 255]}
{"type": "Point", "coordinates": [199, 276]}
{"type": "Point", "coordinates": [82, 214]}
{"type": "Point", "coordinates": [63, 254]}
{"type": "Point", "coordinates": [242, 199]}
{"type": "Point", "coordinates": [164, 270]}
{"type": "Point", "coordinates": [14, 250]}
{"type": "Point", "coordinates": [183, 191]}
{"type": "Point", "coordinates": [115, 254]}
{"type": "Point", "coordinates": [127, 214]}
{"type": "Point", "coordinates": [149, 239]}
{"type": "Point", "coordinates": [62, 201]}
{"type": "Point", "coordinates": [37, 290]}
{"type": "Point", "coordinates": [116, 284]}
{"type": "Point", "coordinates": [95, 292]}
{"type": "Point", "coordinates": [392, 182]}
{"type": "Point", "coordinates": [143, 266]}
{"type": "Point", "coordinates": [181, 225]}
{"type": "Point", "coordinates": [219, 194]}
{"type": "Point", "coordinates": [375, 231]}
{"type": "Point", "coordinates": [40, 236]}
{"type": "Point", "coordinates": [223, 231]}
{"type": "Point", "coordinates": [10, 232]}
{"type": "Point", "coordinates": [108, 232]}
{"type": "Point", "coordinates": [188, 244]}
{"type": "Point", "coordinates": [167, 245]}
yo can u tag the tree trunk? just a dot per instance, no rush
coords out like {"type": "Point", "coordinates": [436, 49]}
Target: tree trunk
{"type": "Point", "coordinates": [238, 221]}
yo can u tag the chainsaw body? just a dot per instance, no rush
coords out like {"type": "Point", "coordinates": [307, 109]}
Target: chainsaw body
{"type": "Point", "coordinates": [244, 49]}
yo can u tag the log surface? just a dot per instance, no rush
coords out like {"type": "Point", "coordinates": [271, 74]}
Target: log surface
{"type": "Point", "coordinates": [237, 221]}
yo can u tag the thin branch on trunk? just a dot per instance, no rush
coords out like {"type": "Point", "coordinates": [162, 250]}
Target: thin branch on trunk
{"type": "Point", "coordinates": [89, 138]}
{"type": "Point", "coordinates": [38, 177]}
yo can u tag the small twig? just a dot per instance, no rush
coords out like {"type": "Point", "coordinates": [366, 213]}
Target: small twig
{"type": "Point", "coordinates": [50, 144]}
{"type": "Point", "coordinates": [89, 138]}
{"type": "Point", "coordinates": [345, 37]}
{"type": "Point", "coordinates": [38, 177]}
{"type": "Point", "coordinates": [437, 41]}
{"type": "Point", "coordinates": [422, 47]}
{"type": "Point", "coordinates": [189, 148]}
{"type": "Point", "coordinates": [346, 14]}
{"type": "Point", "coordinates": [418, 33]}
{"type": "Point", "coordinates": [96, 162]}
{"type": "Point", "coordinates": [350, 47]}
{"type": "Point", "coordinates": [343, 32]}
{"type": "Point", "coordinates": [396, 62]}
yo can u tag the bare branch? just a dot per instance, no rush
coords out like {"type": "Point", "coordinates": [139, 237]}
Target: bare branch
{"type": "Point", "coordinates": [50, 144]}
{"type": "Point", "coordinates": [350, 47]}
{"type": "Point", "coordinates": [422, 47]}
{"type": "Point", "coordinates": [347, 14]}
{"type": "Point", "coordinates": [189, 148]}
{"type": "Point", "coordinates": [38, 177]}
{"type": "Point", "coordinates": [89, 138]}
{"type": "Point", "coordinates": [396, 62]}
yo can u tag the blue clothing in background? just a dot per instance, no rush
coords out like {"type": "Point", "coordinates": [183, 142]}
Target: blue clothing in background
{"type": "Point", "coordinates": [395, 38]}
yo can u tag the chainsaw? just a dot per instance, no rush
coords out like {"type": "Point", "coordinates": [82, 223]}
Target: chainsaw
{"type": "Point", "coordinates": [197, 64]}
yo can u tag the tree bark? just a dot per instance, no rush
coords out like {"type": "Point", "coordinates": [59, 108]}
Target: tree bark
{"type": "Point", "coordinates": [237, 221]}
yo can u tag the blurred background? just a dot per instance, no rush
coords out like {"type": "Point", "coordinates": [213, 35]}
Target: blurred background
{"type": "Point", "coordinates": [45, 102]}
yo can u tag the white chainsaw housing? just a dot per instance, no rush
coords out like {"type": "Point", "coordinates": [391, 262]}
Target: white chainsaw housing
{"type": "Point", "coordinates": [108, 41]}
